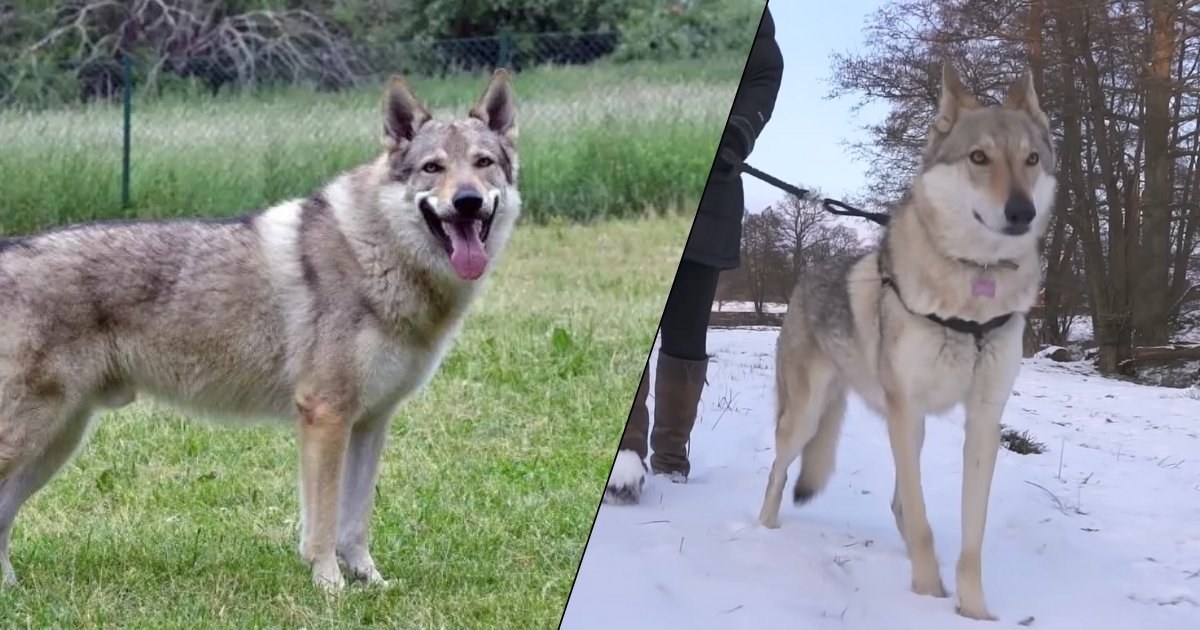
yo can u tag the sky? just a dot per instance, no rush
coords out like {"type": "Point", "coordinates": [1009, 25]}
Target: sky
{"type": "Point", "coordinates": [803, 142]}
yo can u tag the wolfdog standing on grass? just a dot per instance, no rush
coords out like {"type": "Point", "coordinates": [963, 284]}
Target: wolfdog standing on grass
{"type": "Point", "coordinates": [331, 310]}
{"type": "Point", "coordinates": [930, 319]}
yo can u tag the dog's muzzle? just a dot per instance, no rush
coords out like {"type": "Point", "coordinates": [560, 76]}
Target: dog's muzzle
{"type": "Point", "coordinates": [1018, 214]}
{"type": "Point", "coordinates": [463, 229]}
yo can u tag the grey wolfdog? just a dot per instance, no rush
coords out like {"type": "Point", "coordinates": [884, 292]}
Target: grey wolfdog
{"type": "Point", "coordinates": [932, 318]}
{"type": "Point", "coordinates": [331, 310]}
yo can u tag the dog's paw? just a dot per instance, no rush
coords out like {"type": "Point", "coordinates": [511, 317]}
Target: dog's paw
{"type": "Point", "coordinates": [360, 567]}
{"type": "Point", "coordinates": [372, 578]}
{"type": "Point", "coordinates": [770, 522]}
{"type": "Point", "coordinates": [327, 576]}
{"type": "Point", "coordinates": [972, 606]}
{"type": "Point", "coordinates": [930, 587]}
{"type": "Point", "coordinates": [801, 495]}
{"type": "Point", "coordinates": [627, 479]}
{"type": "Point", "coordinates": [974, 610]}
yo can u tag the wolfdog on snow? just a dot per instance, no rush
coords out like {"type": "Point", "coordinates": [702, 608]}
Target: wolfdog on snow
{"type": "Point", "coordinates": [932, 318]}
{"type": "Point", "coordinates": [331, 310]}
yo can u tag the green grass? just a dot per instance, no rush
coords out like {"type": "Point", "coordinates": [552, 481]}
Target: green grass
{"type": "Point", "coordinates": [490, 481]}
{"type": "Point", "coordinates": [1020, 442]}
{"type": "Point", "coordinates": [603, 141]}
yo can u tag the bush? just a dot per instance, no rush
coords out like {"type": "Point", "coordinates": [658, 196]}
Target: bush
{"type": "Point", "coordinates": [666, 29]}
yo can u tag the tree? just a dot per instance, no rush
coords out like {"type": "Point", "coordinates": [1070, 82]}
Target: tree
{"type": "Point", "coordinates": [764, 261]}
{"type": "Point", "coordinates": [732, 285]}
{"type": "Point", "coordinates": [209, 40]}
{"type": "Point", "coordinates": [810, 234]}
{"type": "Point", "coordinates": [780, 243]}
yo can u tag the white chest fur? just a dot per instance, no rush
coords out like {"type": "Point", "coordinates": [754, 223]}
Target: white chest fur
{"type": "Point", "coordinates": [940, 369]}
{"type": "Point", "coordinates": [391, 371]}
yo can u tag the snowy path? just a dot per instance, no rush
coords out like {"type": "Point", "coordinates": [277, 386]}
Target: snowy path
{"type": "Point", "coordinates": [1121, 551]}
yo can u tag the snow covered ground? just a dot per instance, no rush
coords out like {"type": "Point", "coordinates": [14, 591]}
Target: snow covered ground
{"type": "Point", "coordinates": [747, 307]}
{"type": "Point", "coordinates": [1117, 546]}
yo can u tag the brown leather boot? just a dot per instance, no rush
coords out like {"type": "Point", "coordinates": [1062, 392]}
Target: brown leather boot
{"type": "Point", "coordinates": [677, 388]}
{"type": "Point", "coordinates": [629, 469]}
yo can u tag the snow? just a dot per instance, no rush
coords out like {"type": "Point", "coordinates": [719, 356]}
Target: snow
{"type": "Point", "coordinates": [747, 307]}
{"type": "Point", "coordinates": [1081, 330]}
{"type": "Point", "coordinates": [1116, 546]}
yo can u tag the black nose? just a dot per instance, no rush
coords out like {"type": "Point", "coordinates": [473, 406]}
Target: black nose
{"type": "Point", "coordinates": [1019, 210]}
{"type": "Point", "coordinates": [467, 202]}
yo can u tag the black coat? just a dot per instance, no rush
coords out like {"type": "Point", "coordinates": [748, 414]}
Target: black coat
{"type": "Point", "coordinates": [716, 235]}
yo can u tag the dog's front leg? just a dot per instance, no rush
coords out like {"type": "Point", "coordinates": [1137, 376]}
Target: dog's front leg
{"type": "Point", "coordinates": [994, 377]}
{"type": "Point", "coordinates": [367, 440]}
{"type": "Point", "coordinates": [324, 430]}
{"type": "Point", "coordinates": [903, 433]}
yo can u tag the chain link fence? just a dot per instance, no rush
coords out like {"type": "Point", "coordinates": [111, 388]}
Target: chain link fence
{"type": "Point", "coordinates": [516, 51]}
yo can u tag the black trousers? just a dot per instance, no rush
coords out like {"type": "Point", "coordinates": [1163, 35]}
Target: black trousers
{"type": "Point", "coordinates": [684, 328]}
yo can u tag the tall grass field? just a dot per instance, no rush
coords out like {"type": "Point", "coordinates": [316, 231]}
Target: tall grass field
{"type": "Point", "coordinates": [604, 141]}
{"type": "Point", "coordinates": [491, 477]}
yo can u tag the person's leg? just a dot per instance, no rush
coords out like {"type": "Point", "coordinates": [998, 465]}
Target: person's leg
{"type": "Point", "coordinates": [684, 329]}
{"type": "Point", "coordinates": [682, 367]}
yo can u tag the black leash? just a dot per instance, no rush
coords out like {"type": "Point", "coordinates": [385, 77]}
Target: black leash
{"type": "Point", "coordinates": [830, 205]}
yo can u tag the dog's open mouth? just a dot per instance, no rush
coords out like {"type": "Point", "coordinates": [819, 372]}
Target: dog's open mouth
{"type": "Point", "coordinates": [463, 239]}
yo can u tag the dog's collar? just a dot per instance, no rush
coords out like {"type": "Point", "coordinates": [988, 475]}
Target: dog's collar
{"type": "Point", "coordinates": [978, 330]}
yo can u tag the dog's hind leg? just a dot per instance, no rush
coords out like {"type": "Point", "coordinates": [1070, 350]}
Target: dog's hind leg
{"type": "Point", "coordinates": [367, 440]}
{"type": "Point", "coordinates": [820, 454]}
{"type": "Point", "coordinates": [903, 433]}
{"type": "Point", "coordinates": [33, 474]}
{"type": "Point", "coordinates": [801, 393]}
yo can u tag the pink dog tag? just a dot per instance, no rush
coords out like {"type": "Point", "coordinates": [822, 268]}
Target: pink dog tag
{"type": "Point", "coordinates": [983, 288]}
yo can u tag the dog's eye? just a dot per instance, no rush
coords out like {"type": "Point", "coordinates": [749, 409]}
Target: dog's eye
{"type": "Point", "coordinates": [978, 157]}
{"type": "Point", "coordinates": [1032, 159]}
{"type": "Point", "coordinates": [484, 162]}
{"type": "Point", "coordinates": [432, 167]}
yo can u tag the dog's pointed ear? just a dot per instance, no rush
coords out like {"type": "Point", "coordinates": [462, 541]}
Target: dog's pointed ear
{"type": "Point", "coordinates": [955, 99]}
{"type": "Point", "coordinates": [497, 108]}
{"type": "Point", "coordinates": [1023, 96]}
{"type": "Point", "coordinates": [403, 115]}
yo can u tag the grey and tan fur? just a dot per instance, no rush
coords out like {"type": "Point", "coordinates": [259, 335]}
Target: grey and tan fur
{"type": "Point", "coordinates": [330, 310]}
{"type": "Point", "coordinates": [973, 219]}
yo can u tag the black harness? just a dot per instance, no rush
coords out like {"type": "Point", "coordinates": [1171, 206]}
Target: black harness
{"type": "Point", "coordinates": [978, 330]}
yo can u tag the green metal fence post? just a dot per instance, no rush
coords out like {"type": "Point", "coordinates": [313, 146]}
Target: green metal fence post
{"type": "Point", "coordinates": [127, 97]}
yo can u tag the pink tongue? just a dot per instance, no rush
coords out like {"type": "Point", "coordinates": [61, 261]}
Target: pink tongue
{"type": "Point", "coordinates": [467, 255]}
